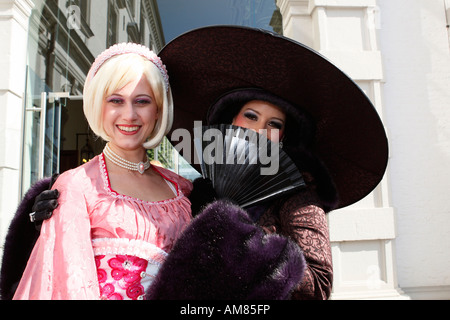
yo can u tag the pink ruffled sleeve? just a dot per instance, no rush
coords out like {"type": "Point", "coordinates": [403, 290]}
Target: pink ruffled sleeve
{"type": "Point", "coordinates": [62, 264]}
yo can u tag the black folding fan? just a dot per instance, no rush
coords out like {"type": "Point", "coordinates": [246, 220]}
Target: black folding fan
{"type": "Point", "coordinates": [245, 166]}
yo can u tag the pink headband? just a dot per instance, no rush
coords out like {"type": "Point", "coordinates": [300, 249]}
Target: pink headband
{"type": "Point", "coordinates": [125, 48]}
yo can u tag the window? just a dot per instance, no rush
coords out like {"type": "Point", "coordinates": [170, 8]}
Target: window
{"type": "Point", "coordinates": [112, 24]}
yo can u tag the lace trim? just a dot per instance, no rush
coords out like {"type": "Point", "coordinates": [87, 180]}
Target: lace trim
{"type": "Point", "coordinates": [123, 246]}
{"type": "Point", "coordinates": [111, 192]}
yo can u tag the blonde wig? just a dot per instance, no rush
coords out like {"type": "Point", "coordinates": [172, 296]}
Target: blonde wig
{"type": "Point", "coordinates": [115, 73]}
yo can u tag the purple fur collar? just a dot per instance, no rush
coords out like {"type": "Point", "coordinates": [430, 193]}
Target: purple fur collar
{"type": "Point", "coordinates": [19, 242]}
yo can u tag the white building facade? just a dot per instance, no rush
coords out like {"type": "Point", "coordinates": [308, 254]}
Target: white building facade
{"type": "Point", "coordinates": [395, 243]}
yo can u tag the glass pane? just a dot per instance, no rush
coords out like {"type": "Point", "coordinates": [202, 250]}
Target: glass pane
{"type": "Point", "coordinates": [41, 143]}
{"type": "Point", "coordinates": [32, 125]}
{"type": "Point", "coordinates": [52, 138]}
{"type": "Point", "coordinates": [180, 16]}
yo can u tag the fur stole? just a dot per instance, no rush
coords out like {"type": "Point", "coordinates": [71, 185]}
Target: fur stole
{"type": "Point", "coordinates": [20, 241]}
{"type": "Point", "coordinates": [223, 255]}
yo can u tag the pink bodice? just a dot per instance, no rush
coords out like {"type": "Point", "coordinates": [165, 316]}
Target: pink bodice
{"type": "Point", "coordinates": [119, 216]}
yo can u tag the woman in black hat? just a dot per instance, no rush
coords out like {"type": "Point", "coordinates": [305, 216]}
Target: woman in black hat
{"type": "Point", "coordinates": [332, 131]}
{"type": "Point", "coordinates": [300, 216]}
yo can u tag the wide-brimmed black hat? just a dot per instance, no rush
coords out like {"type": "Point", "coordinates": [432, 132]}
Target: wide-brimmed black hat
{"type": "Point", "coordinates": [206, 63]}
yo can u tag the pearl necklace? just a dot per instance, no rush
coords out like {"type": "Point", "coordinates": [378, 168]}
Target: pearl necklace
{"type": "Point", "coordinates": [121, 162]}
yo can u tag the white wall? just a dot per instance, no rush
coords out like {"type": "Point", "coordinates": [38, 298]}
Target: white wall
{"type": "Point", "coordinates": [416, 57]}
{"type": "Point", "coordinates": [13, 38]}
{"type": "Point", "coordinates": [398, 51]}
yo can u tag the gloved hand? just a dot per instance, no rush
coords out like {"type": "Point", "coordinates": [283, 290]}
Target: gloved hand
{"type": "Point", "coordinates": [44, 204]}
{"type": "Point", "coordinates": [202, 194]}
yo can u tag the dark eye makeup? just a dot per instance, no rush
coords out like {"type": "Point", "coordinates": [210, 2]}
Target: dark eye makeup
{"type": "Point", "coordinates": [251, 115]}
{"type": "Point", "coordinates": [276, 124]}
{"type": "Point", "coordinates": [139, 101]}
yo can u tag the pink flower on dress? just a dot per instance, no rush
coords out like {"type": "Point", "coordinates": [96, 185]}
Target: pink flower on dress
{"type": "Point", "coordinates": [107, 292]}
{"type": "Point", "coordinates": [101, 273]}
{"type": "Point", "coordinates": [128, 268]}
{"type": "Point", "coordinates": [135, 291]}
{"type": "Point", "coordinates": [127, 271]}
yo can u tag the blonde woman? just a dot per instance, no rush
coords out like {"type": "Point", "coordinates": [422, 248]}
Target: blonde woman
{"type": "Point", "coordinates": [118, 216]}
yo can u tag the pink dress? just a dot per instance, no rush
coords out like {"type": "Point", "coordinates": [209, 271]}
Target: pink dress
{"type": "Point", "coordinates": [100, 244]}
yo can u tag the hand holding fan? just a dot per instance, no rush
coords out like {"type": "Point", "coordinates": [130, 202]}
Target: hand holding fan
{"type": "Point", "coordinates": [244, 166]}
